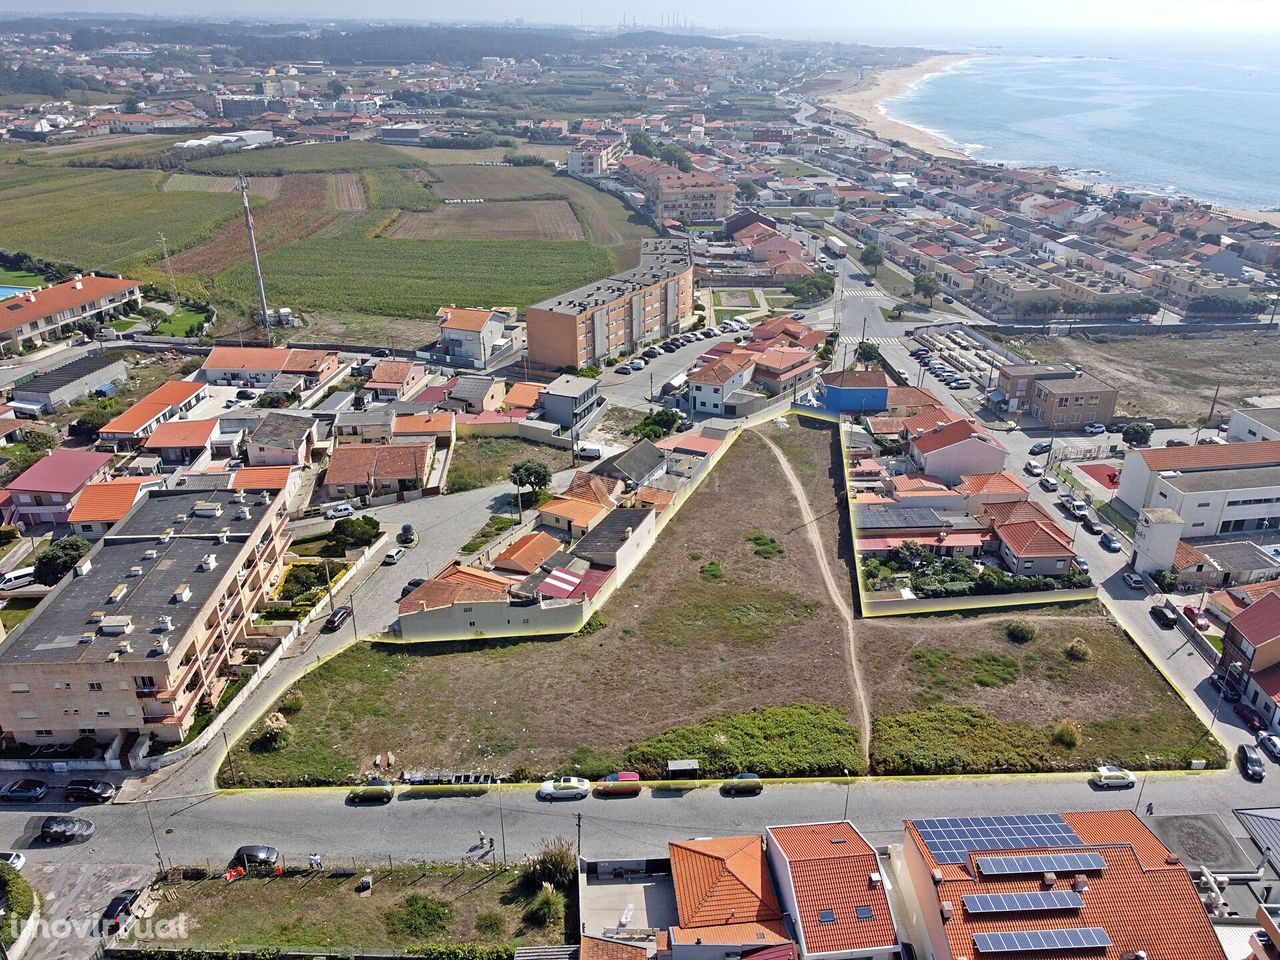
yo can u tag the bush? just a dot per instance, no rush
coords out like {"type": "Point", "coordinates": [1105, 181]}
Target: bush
{"type": "Point", "coordinates": [292, 702]}
{"type": "Point", "coordinates": [464, 951]}
{"type": "Point", "coordinates": [711, 571]}
{"type": "Point", "coordinates": [417, 917]}
{"type": "Point", "coordinates": [1078, 651]}
{"type": "Point", "coordinates": [1166, 580]}
{"type": "Point", "coordinates": [555, 865]}
{"type": "Point", "coordinates": [8, 535]}
{"type": "Point", "coordinates": [20, 903]}
{"type": "Point", "coordinates": [1020, 631]}
{"type": "Point", "coordinates": [546, 907]}
{"type": "Point", "coordinates": [1066, 734]}
{"type": "Point", "coordinates": [594, 622]}
{"type": "Point", "coordinates": [277, 733]}
{"type": "Point", "coordinates": [491, 924]}
{"type": "Point", "coordinates": [766, 546]}
{"type": "Point", "coordinates": [955, 739]}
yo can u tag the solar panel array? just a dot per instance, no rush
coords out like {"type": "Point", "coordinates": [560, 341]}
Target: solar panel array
{"type": "Point", "coordinates": [1082, 938]}
{"type": "Point", "coordinates": [1020, 902]}
{"type": "Point", "coordinates": [951, 839]}
{"type": "Point", "coordinates": [1041, 863]}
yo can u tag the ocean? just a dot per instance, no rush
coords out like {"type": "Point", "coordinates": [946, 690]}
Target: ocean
{"type": "Point", "coordinates": [1202, 126]}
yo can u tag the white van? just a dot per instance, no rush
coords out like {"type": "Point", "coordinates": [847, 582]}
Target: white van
{"type": "Point", "coordinates": [22, 577]}
{"type": "Point", "coordinates": [589, 451]}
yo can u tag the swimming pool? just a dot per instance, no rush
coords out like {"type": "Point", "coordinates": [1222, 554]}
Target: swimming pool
{"type": "Point", "coordinates": [7, 292]}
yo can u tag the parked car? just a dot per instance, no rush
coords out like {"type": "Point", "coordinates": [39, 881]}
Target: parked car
{"type": "Point", "coordinates": [1078, 509]}
{"type": "Point", "coordinates": [1081, 563]}
{"type": "Point", "coordinates": [245, 395]}
{"type": "Point", "coordinates": [638, 363]}
{"type": "Point", "coordinates": [1252, 719]}
{"type": "Point", "coordinates": [256, 858]}
{"type": "Point", "coordinates": [1091, 525]}
{"type": "Point", "coordinates": [1033, 468]}
{"type": "Point", "coordinates": [118, 912]}
{"type": "Point", "coordinates": [1093, 429]}
{"type": "Point", "coordinates": [1196, 616]}
{"type": "Point", "coordinates": [868, 283]}
{"type": "Point", "coordinates": [88, 791]}
{"type": "Point", "coordinates": [394, 556]}
{"type": "Point", "coordinates": [564, 788]}
{"type": "Point", "coordinates": [1048, 483]}
{"type": "Point", "coordinates": [948, 299]}
{"type": "Point", "coordinates": [13, 858]}
{"type": "Point", "coordinates": [652, 353]}
{"type": "Point", "coordinates": [624, 369]}
{"type": "Point", "coordinates": [336, 619]}
{"type": "Point", "coordinates": [14, 579]}
{"type": "Point", "coordinates": [1133, 581]}
{"type": "Point", "coordinates": [339, 511]}
{"type": "Point", "coordinates": [60, 829]}
{"type": "Point", "coordinates": [1163, 616]}
{"type": "Point", "coordinates": [670, 347]}
{"type": "Point", "coordinates": [411, 586]}
{"type": "Point", "coordinates": [1269, 743]}
{"type": "Point", "coordinates": [1251, 763]}
{"type": "Point", "coordinates": [1229, 691]}
{"type": "Point", "coordinates": [382, 352]}
{"type": "Point", "coordinates": [744, 784]}
{"type": "Point", "coordinates": [1177, 442]}
{"type": "Point", "coordinates": [1115, 428]}
{"type": "Point", "coordinates": [684, 425]}
{"type": "Point", "coordinates": [623, 784]}
{"type": "Point", "coordinates": [1040, 446]}
{"type": "Point", "coordinates": [1112, 778]}
{"type": "Point", "coordinates": [407, 535]}
{"type": "Point", "coordinates": [26, 790]}
{"type": "Point", "coordinates": [1110, 542]}
{"type": "Point", "coordinates": [797, 316]}
{"type": "Point", "coordinates": [372, 791]}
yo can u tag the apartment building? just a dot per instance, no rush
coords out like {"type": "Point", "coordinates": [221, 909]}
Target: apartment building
{"type": "Point", "coordinates": [671, 194]}
{"type": "Point", "coordinates": [1054, 396]}
{"type": "Point", "coordinates": [1089, 288]}
{"type": "Point", "coordinates": [150, 624]}
{"type": "Point", "coordinates": [1015, 290]}
{"type": "Point", "coordinates": [1180, 285]}
{"type": "Point", "coordinates": [595, 158]}
{"type": "Point", "coordinates": [45, 312]}
{"type": "Point", "coordinates": [621, 312]}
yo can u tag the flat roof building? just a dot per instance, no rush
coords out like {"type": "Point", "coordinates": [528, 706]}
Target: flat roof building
{"type": "Point", "coordinates": [54, 391]}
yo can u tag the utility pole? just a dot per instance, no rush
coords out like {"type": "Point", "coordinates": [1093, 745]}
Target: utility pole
{"type": "Point", "coordinates": [579, 835]}
{"type": "Point", "coordinates": [146, 805]}
{"type": "Point", "coordinates": [168, 266]}
{"type": "Point", "coordinates": [1212, 407]}
{"type": "Point", "coordinates": [243, 182]}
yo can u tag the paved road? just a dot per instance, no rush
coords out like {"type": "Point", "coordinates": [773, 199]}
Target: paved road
{"type": "Point", "coordinates": [633, 390]}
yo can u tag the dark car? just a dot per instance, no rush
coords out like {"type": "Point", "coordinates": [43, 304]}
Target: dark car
{"type": "Point", "coordinates": [65, 829]}
{"type": "Point", "coordinates": [88, 791]}
{"type": "Point", "coordinates": [652, 353]}
{"type": "Point", "coordinates": [26, 790]}
{"type": "Point", "coordinates": [1110, 543]}
{"type": "Point", "coordinates": [1250, 716]}
{"type": "Point", "coordinates": [1115, 428]}
{"type": "Point", "coordinates": [1039, 447]}
{"type": "Point", "coordinates": [868, 283]}
{"type": "Point", "coordinates": [1251, 763]}
{"type": "Point", "coordinates": [372, 791]}
{"type": "Point", "coordinates": [1228, 690]}
{"type": "Point", "coordinates": [948, 299]}
{"type": "Point", "coordinates": [1092, 525]}
{"type": "Point", "coordinates": [670, 347]}
{"type": "Point", "coordinates": [245, 394]}
{"type": "Point", "coordinates": [336, 619]}
{"type": "Point", "coordinates": [407, 535]}
{"type": "Point", "coordinates": [411, 586]}
{"type": "Point", "coordinates": [743, 783]}
{"type": "Point", "coordinates": [256, 858]}
{"type": "Point", "coordinates": [1164, 616]}
{"type": "Point", "coordinates": [1175, 442]}
{"type": "Point", "coordinates": [118, 912]}
{"type": "Point", "coordinates": [382, 352]}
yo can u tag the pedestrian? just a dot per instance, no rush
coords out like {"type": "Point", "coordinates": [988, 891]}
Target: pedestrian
{"type": "Point", "coordinates": [1151, 808]}
{"type": "Point", "coordinates": [482, 838]}
{"type": "Point", "coordinates": [491, 844]}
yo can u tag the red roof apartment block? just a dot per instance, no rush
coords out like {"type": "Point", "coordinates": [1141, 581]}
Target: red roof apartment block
{"type": "Point", "coordinates": [831, 887]}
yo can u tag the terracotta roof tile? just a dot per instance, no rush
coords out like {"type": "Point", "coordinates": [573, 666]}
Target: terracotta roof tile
{"type": "Point", "coordinates": [1259, 623]}
{"type": "Point", "coordinates": [1035, 538]}
{"type": "Point", "coordinates": [285, 359]}
{"type": "Point", "coordinates": [391, 372]}
{"type": "Point", "coordinates": [523, 394]}
{"type": "Point", "coordinates": [1186, 556]}
{"type": "Point", "coordinates": [597, 948]}
{"type": "Point", "coordinates": [580, 512]}
{"type": "Point", "coordinates": [722, 370]}
{"type": "Point", "coordinates": [176, 392]}
{"type": "Point", "coordinates": [462, 318]}
{"type": "Point", "coordinates": [592, 488]}
{"type": "Point", "coordinates": [733, 934]}
{"type": "Point", "coordinates": [951, 434]}
{"type": "Point", "coordinates": [458, 572]}
{"type": "Point", "coordinates": [1003, 482]}
{"type": "Point", "coordinates": [722, 880]}
{"type": "Point", "coordinates": [1013, 511]}
{"type": "Point", "coordinates": [435, 594]}
{"type": "Point", "coordinates": [38, 304]}
{"type": "Point", "coordinates": [107, 502]}
{"type": "Point", "coordinates": [654, 497]}
{"type": "Point", "coordinates": [181, 433]}
{"type": "Point", "coordinates": [693, 443]}
{"type": "Point", "coordinates": [261, 478]}
{"type": "Point", "coordinates": [929, 417]}
{"type": "Point", "coordinates": [137, 417]}
{"type": "Point", "coordinates": [527, 553]}
{"type": "Point", "coordinates": [423, 423]}
{"type": "Point", "coordinates": [364, 463]}
{"type": "Point", "coordinates": [1213, 456]}
{"type": "Point", "coordinates": [911, 397]}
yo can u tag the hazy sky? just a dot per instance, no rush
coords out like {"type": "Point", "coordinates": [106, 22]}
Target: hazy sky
{"type": "Point", "coordinates": [922, 21]}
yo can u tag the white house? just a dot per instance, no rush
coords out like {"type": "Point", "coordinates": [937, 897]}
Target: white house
{"type": "Point", "coordinates": [955, 450]}
{"type": "Point", "coordinates": [710, 385]}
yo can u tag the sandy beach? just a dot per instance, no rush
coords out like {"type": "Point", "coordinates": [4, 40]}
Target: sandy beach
{"type": "Point", "coordinates": [862, 101]}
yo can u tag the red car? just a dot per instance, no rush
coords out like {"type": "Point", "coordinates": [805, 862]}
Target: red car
{"type": "Point", "coordinates": [1196, 616]}
{"type": "Point", "coordinates": [1250, 716]}
{"type": "Point", "coordinates": [623, 784]}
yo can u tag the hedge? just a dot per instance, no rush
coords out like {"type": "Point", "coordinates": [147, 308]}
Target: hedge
{"type": "Point", "coordinates": [21, 903]}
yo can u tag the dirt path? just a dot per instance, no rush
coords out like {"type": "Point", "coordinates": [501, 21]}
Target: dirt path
{"type": "Point", "coordinates": [838, 599]}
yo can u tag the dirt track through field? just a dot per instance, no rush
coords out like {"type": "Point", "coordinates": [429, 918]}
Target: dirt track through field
{"type": "Point", "coordinates": [348, 191]}
{"type": "Point", "coordinates": [838, 599]}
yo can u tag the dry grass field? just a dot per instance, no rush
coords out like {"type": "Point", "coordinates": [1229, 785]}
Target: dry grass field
{"type": "Point", "coordinates": [510, 220]}
{"type": "Point", "coordinates": [348, 192]}
{"type": "Point", "coordinates": [493, 183]}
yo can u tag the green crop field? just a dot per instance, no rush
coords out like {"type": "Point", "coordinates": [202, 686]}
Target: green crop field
{"type": "Point", "coordinates": [307, 158]}
{"type": "Point", "coordinates": [102, 219]}
{"type": "Point", "coordinates": [390, 188]}
{"type": "Point", "coordinates": [397, 277]}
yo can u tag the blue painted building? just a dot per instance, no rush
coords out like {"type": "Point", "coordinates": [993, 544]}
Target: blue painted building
{"type": "Point", "coordinates": [855, 391]}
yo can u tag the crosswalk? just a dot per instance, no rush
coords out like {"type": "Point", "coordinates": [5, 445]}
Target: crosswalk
{"type": "Point", "coordinates": [878, 341]}
{"type": "Point", "coordinates": [861, 291]}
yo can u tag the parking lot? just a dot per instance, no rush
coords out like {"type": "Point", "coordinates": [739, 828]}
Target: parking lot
{"type": "Point", "coordinates": [634, 390]}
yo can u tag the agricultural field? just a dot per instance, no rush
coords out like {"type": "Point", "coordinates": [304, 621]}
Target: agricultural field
{"type": "Point", "coordinates": [444, 157]}
{"type": "Point", "coordinates": [263, 188]}
{"type": "Point", "coordinates": [495, 183]}
{"type": "Point", "coordinates": [752, 628]}
{"type": "Point", "coordinates": [391, 188]}
{"type": "Point", "coordinates": [510, 220]}
{"type": "Point", "coordinates": [305, 158]}
{"type": "Point", "coordinates": [347, 193]}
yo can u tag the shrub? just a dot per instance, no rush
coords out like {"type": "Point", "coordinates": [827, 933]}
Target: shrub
{"type": "Point", "coordinates": [292, 702]}
{"type": "Point", "coordinates": [594, 622]}
{"type": "Point", "coordinates": [491, 924]}
{"type": "Point", "coordinates": [1078, 651]}
{"type": "Point", "coordinates": [1166, 580]}
{"type": "Point", "coordinates": [277, 733]}
{"type": "Point", "coordinates": [955, 739]}
{"type": "Point", "coordinates": [1066, 734]}
{"type": "Point", "coordinates": [20, 902]}
{"type": "Point", "coordinates": [1020, 631]}
{"type": "Point", "coordinates": [766, 546]}
{"type": "Point", "coordinates": [417, 917]}
{"type": "Point", "coordinates": [546, 907]}
{"type": "Point", "coordinates": [554, 865]}
{"type": "Point", "coordinates": [464, 951]}
{"type": "Point", "coordinates": [711, 571]}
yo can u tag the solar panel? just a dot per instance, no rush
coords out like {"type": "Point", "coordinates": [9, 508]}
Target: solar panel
{"type": "Point", "coordinates": [951, 839]}
{"type": "Point", "coordinates": [1083, 938]}
{"type": "Point", "coordinates": [1020, 902]}
{"type": "Point", "coordinates": [1041, 863]}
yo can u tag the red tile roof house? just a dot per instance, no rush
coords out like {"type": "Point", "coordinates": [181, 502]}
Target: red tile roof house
{"type": "Point", "coordinates": [1251, 654]}
{"type": "Point", "coordinates": [374, 470]}
{"type": "Point", "coordinates": [164, 403]}
{"type": "Point", "coordinates": [47, 490]}
{"type": "Point", "coordinates": [710, 385]}
{"type": "Point", "coordinates": [182, 442]}
{"type": "Point", "coordinates": [39, 314]}
{"type": "Point", "coordinates": [101, 505]}
{"type": "Point", "coordinates": [955, 450]}
{"type": "Point", "coordinates": [394, 379]}
{"type": "Point", "coordinates": [258, 366]}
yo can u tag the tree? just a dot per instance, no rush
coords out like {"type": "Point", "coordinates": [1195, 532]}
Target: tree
{"type": "Point", "coordinates": [1136, 434]}
{"type": "Point", "coordinates": [747, 190]}
{"type": "Point", "coordinates": [868, 352]}
{"type": "Point", "coordinates": [927, 285]}
{"type": "Point", "coordinates": [530, 473]}
{"type": "Point", "coordinates": [337, 88]}
{"type": "Point", "coordinates": [38, 441]}
{"type": "Point", "coordinates": [678, 157]}
{"type": "Point", "coordinates": [871, 256]}
{"type": "Point", "coordinates": [91, 421]}
{"type": "Point", "coordinates": [643, 144]}
{"type": "Point", "coordinates": [56, 560]}
{"type": "Point", "coordinates": [813, 287]}
{"type": "Point", "coordinates": [130, 104]}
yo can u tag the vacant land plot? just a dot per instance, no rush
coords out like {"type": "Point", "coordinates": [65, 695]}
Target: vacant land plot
{"type": "Point", "coordinates": [320, 912]}
{"type": "Point", "coordinates": [955, 694]}
{"type": "Point", "coordinates": [266, 188]}
{"type": "Point", "coordinates": [509, 220]}
{"type": "Point", "coordinates": [746, 631]}
{"type": "Point", "coordinates": [484, 460]}
{"type": "Point", "coordinates": [348, 192]}
{"type": "Point", "coordinates": [493, 183]}
{"type": "Point", "coordinates": [1169, 376]}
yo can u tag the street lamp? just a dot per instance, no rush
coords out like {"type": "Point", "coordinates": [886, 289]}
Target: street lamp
{"type": "Point", "coordinates": [848, 785]}
{"type": "Point", "coordinates": [502, 826]}
{"type": "Point", "coordinates": [1275, 302]}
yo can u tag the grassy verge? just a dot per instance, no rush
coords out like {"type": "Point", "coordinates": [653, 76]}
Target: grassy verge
{"type": "Point", "coordinates": [1116, 517]}
{"type": "Point", "coordinates": [495, 525]}
{"type": "Point", "coordinates": [183, 322]}
{"type": "Point", "coordinates": [320, 545]}
{"type": "Point", "coordinates": [15, 610]}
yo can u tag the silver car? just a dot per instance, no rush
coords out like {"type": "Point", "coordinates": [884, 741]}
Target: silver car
{"type": "Point", "coordinates": [564, 788]}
